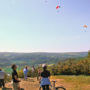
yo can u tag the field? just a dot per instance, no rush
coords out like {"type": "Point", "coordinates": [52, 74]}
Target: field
{"type": "Point", "coordinates": [73, 74]}
{"type": "Point", "coordinates": [74, 82]}
{"type": "Point", "coordinates": [69, 82]}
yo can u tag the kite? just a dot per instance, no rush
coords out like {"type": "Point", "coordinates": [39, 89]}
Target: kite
{"type": "Point", "coordinates": [85, 26]}
{"type": "Point", "coordinates": [57, 7]}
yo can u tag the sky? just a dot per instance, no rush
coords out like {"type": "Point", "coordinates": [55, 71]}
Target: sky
{"type": "Point", "coordinates": [36, 26]}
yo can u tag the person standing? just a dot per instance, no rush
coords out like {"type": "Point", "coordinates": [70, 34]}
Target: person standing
{"type": "Point", "coordinates": [33, 68]}
{"type": "Point", "coordinates": [45, 81]}
{"type": "Point", "coordinates": [2, 78]}
{"type": "Point", "coordinates": [39, 73]}
{"type": "Point", "coordinates": [25, 71]}
{"type": "Point", "coordinates": [33, 71]}
{"type": "Point", "coordinates": [15, 78]}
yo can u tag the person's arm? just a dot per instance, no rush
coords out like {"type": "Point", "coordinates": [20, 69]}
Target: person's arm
{"type": "Point", "coordinates": [23, 70]}
{"type": "Point", "coordinates": [27, 70]}
{"type": "Point", "coordinates": [16, 78]}
{"type": "Point", "coordinates": [48, 74]}
{"type": "Point", "coordinates": [40, 79]}
{"type": "Point", "coordinates": [5, 75]}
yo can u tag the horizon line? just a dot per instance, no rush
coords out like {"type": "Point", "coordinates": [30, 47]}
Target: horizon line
{"type": "Point", "coordinates": [42, 52]}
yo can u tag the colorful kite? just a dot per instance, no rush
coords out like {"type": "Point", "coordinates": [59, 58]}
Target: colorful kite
{"type": "Point", "coordinates": [85, 26]}
{"type": "Point", "coordinates": [57, 7]}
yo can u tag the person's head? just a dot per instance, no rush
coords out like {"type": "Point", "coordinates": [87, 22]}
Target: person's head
{"type": "Point", "coordinates": [26, 67]}
{"type": "Point", "coordinates": [0, 69]}
{"type": "Point", "coordinates": [44, 67]}
{"type": "Point", "coordinates": [14, 67]}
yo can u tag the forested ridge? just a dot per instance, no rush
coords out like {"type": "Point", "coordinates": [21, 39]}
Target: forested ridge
{"type": "Point", "coordinates": [72, 67]}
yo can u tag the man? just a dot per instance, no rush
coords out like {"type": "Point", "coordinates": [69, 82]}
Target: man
{"type": "Point", "coordinates": [2, 77]}
{"type": "Point", "coordinates": [15, 79]}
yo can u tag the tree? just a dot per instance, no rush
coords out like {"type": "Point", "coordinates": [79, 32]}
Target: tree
{"type": "Point", "coordinates": [89, 54]}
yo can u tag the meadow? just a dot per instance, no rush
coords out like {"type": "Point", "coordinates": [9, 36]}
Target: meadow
{"type": "Point", "coordinates": [80, 82]}
{"type": "Point", "coordinates": [70, 82]}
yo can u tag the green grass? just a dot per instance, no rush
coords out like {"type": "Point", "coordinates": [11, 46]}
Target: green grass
{"type": "Point", "coordinates": [80, 79]}
{"type": "Point", "coordinates": [76, 82]}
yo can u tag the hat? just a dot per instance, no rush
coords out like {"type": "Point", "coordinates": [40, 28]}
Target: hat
{"type": "Point", "coordinates": [44, 65]}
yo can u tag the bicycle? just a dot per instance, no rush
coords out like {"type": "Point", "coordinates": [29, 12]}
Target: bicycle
{"type": "Point", "coordinates": [53, 87]}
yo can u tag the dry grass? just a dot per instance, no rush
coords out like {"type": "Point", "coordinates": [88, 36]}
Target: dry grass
{"type": "Point", "coordinates": [74, 82]}
{"type": "Point", "coordinates": [69, 82]}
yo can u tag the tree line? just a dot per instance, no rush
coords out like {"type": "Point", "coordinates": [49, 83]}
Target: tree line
{"type": "Point", "coordinates": [68, 67]}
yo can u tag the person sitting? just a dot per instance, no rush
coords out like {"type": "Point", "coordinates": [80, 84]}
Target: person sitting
{"type": "Point", "coordinates": [45, 82]}
{"type": "Point", "coordinates": [2, 78]}
{"type": "Point", "coordinates": [15, 79]}
{"type": "Point", "coordinates": [25, 71]}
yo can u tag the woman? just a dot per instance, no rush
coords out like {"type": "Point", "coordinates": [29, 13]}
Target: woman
{"type": "Point", "coordinates": [25, 71]}
{"type": "Point", "coordinates": [15, 79]}
{"type": "Point", "coordinates": [45, 82]}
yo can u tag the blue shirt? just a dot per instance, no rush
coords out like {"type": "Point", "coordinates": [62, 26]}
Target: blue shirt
{"type": "Point", "coordinates": [25, 71]}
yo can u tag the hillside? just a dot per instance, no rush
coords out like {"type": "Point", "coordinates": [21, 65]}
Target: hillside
{"type": "Point", "coordinates": [7, 58]}
{"type": "Point", "coordinates": [68, 82]}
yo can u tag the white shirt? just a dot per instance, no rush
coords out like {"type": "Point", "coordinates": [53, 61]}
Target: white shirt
{"type": "Point", "coordinates": [25, 71]}
{"type": "Point", "coordinates": [2, 75]}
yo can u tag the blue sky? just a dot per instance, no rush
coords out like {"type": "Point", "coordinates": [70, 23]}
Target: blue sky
{"type": "Point", "coordinates": [36, 26]}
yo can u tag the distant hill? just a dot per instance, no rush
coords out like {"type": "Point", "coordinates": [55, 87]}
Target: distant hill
{"type": "Point", "coordinates": [7, 58]}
